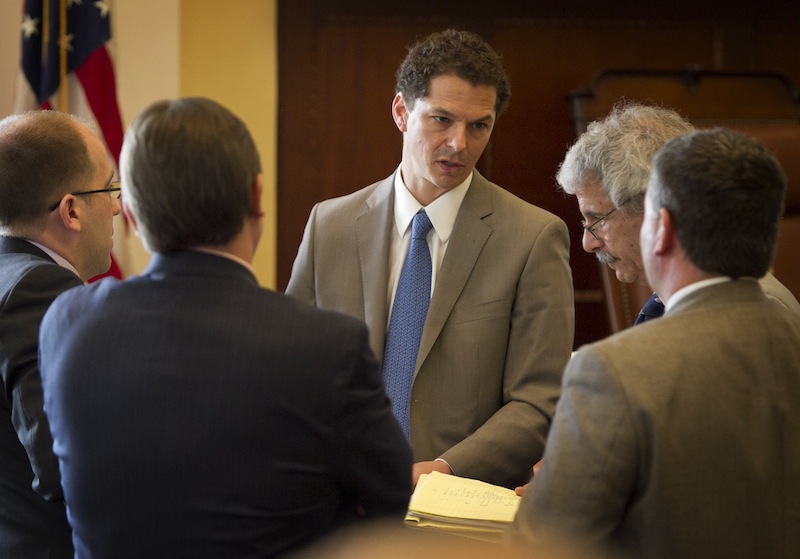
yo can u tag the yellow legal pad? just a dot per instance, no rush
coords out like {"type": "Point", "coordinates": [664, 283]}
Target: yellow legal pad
{"type": "Point", "coordinates": [461, 505]}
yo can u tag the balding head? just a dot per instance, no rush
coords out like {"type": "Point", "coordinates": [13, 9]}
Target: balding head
{"type": "Point", "coordinates": [43, 156]}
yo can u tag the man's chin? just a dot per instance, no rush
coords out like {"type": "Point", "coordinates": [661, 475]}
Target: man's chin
{"type": "Point", "coordinates": [623, 276]}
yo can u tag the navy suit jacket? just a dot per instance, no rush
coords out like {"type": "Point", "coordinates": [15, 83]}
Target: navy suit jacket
{"type": "Point", "coordinates": [33, 521]}
{"type": "Point", "coordinates": [195, 414]}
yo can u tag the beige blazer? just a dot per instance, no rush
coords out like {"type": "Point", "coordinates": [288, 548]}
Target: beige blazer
{"type": "Point", "coordinates": [679, 437]}
{"type": "Point", "coordinates": [499, 328]}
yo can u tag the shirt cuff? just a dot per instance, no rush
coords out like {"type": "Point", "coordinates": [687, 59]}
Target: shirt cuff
{"type": "Point", "coordinates": [448, 465]}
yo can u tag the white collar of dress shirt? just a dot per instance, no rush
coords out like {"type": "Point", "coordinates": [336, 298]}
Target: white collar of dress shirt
{"type": "Point", "coordinates": [442, 212]}
{"type": "Point", "coordinates": [229, 256]}
{"type": "Point", "coordinates": [683, 292]}
{"type": "Point", "coordinates": [60, 260]}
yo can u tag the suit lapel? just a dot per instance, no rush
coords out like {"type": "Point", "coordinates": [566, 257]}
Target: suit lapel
{"type": "Point", "coordinates": [373, 232]}
{"type": "Point", "coordinates": [469, 236]}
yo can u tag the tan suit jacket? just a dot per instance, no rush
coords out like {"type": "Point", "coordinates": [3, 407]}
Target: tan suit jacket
{"type": "Point", "coordinates": [679, 437]}
{"type": "Point", "coordinates": [499, 328]}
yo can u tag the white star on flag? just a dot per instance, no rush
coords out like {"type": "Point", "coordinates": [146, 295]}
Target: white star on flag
{"type": "Point", "coordinates": [30, 26]}
{"type": "Point", "coordinates": [103, 6]}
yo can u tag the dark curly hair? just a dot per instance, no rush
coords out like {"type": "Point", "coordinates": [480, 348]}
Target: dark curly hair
{"type": "Point", "coordinates": [452, 52]}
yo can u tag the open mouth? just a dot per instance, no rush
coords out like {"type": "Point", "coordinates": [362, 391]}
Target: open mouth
{"type": "Point", "coordinates": [449, 165]}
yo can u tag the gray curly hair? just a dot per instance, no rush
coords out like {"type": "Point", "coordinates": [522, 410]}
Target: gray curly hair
{"type": "Point", "coordinates": [618, 151]}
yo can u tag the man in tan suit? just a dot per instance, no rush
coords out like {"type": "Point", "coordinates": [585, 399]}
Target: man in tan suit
{"type": "Point", "coordinates": [500, 323]}
{"type": "Point", "coordinates": [678, 438]}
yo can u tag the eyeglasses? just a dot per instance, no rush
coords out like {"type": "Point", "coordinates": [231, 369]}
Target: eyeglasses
{"type": "Point", "coordinates": [115, 187]}
{"type": "Point", "coordinates": [597, 223]}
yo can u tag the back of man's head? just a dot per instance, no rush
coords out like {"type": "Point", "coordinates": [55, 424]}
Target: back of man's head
{"type": "Point", "coordinates": [188, 168]}
{"type": "Point", "coordinates": [452, 52]}
{"type": "Point", "coordinates": [43, 156]}
{"type": "Point", "coordinates": [725, 194]}
{"type": "Point", "coordinates": [618, 150]}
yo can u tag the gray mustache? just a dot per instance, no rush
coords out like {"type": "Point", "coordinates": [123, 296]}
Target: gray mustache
{"type": "Point", "coordinates": [604, 258]}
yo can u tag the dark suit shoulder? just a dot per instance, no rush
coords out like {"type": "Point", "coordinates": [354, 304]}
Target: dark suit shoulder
{"type": "Point", "coordinates": [323, 318]}
{"type": "Point", "coordinates": [33, 278]}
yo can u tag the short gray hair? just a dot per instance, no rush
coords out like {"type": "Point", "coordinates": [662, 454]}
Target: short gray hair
{"type": "Point", "coordinates": [618, 151]}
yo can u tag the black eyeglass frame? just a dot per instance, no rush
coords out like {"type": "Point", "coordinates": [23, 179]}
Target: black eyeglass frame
{"type": "Point", "coordinates": [593, 227]}
{"type": "Point", "coordinates": [111, 188]}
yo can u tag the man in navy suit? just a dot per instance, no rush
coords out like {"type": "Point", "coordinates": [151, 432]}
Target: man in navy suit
{"type": "Point", "coordinates": [195, 414]}
{"type": "Point", "coordinates": [56, 212]}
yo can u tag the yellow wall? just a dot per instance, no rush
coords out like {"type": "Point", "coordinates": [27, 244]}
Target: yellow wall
{"type": "Point", "coordinates": [228, 52]}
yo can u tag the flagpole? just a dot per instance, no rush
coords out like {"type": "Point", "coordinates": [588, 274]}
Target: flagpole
{"type": "Point", "coordinates": [62, 51]}
{"type": "Point", "coordinates": [45, 30]}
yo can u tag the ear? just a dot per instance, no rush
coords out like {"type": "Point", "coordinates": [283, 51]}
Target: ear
{"type": "Point", "coordinates": [129, 217]}
{"type": "Point", "coordinates": [69, 213]}
{"type": "Point", "coordinates": [258, 190]}
{"type": "Point", "coordinates": [400, 112]}
{"type": "Point", "coordinates": [665, 237]}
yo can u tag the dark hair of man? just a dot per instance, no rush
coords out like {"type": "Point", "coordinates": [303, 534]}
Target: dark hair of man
{"type": "Point", "coordinates": [724, 192]}
{"type": "Point", "coordinates": [43, 156]}
{"type": "Point", "coordinates": [452, 52]}
{"type": "Point", "coordinates": [188, 169]}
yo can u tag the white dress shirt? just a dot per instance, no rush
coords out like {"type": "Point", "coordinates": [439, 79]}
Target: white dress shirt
{"type": "Point", "coordinates": [442, 212]}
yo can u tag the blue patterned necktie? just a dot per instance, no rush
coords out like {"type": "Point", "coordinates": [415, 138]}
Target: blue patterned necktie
{"type": "Point", "coordinates": [410, 307]}
{"type": "Point", "coordinates": [653, 308]}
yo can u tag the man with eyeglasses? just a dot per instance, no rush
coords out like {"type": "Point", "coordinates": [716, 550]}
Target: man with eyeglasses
{"type": "Point", "coordinates": [607, 170]}
{"type": "Point", "coordinates": [678, 438]}
{"type": "Point", "coordinates": [56, 212]}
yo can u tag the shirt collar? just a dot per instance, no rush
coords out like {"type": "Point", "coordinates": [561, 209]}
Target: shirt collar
{"type": "Point", "coordinates": [442, 212]}
{"type": "Point", "coordinates": [60, 260]}
{"type": "Point", "coordinates": [684, 292]}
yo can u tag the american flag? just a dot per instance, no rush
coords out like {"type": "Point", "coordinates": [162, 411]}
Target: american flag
{"type": "Point", "coordinates": [66, 66]}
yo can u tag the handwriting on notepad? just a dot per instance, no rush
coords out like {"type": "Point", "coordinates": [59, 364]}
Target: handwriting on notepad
{"type": "Point", "coordinates": [464, 498]}
{"type": "Point", "coordinates": [479, 498]}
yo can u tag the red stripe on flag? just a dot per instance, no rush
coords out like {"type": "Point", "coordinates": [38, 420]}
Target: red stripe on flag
{"type": "Point", "coordinates": [97, 78]}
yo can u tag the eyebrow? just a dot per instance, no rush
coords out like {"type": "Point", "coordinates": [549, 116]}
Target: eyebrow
{"type": "Point", "coordinates": [591, 214]}
{"type": "Point", "coordinates": [444, 112]}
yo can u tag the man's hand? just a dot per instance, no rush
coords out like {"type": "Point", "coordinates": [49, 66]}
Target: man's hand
{"type": "Point", "coordinates": [428, 467]}
{"type": "Point", "coordinates": [522, 488]}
